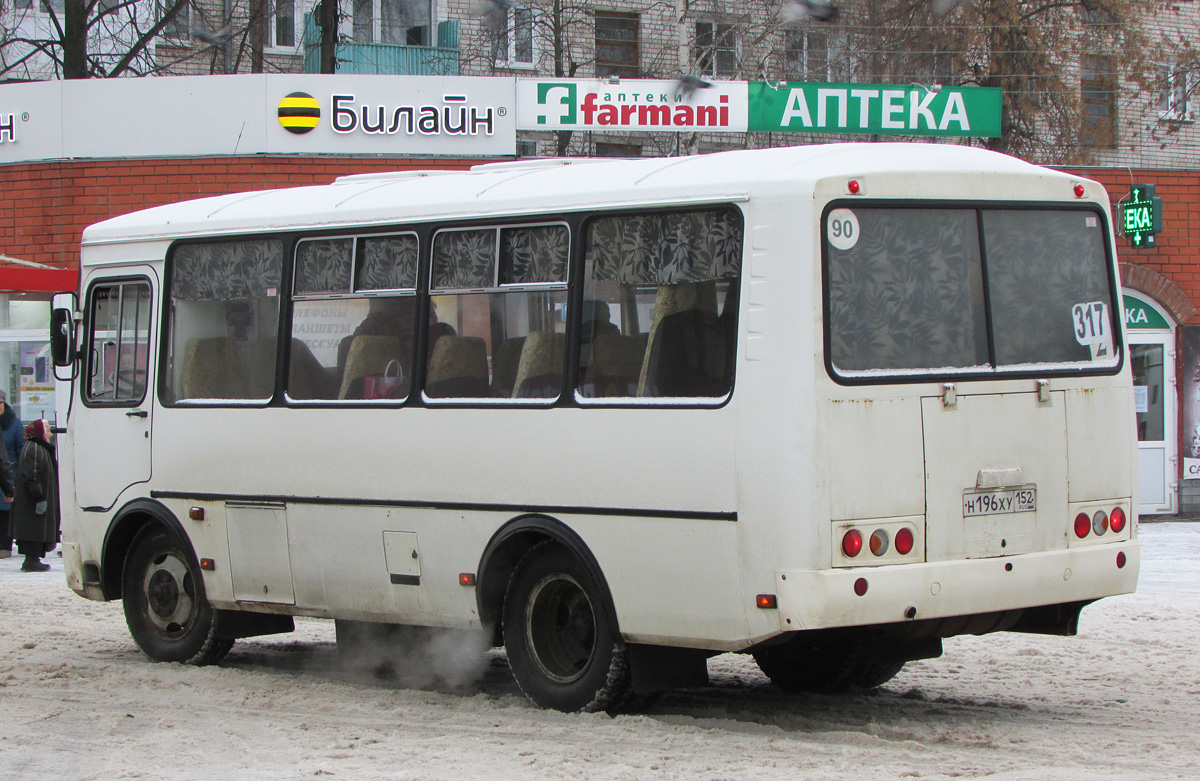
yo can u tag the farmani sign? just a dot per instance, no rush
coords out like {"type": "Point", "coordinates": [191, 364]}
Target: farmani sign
{"type": "Point", "coordinates": [872, 109]}
{"type": "Point", "coordinates": [737, 106]}
{"type": "Point", "coordinates": [648, 105]}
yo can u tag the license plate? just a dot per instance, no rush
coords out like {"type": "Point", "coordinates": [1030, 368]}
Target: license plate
{"type": "Point", "coordinates": [1009, 500]}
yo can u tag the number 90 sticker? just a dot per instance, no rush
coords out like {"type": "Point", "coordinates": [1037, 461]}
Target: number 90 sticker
{"type": "Point", "coordinates": [841, 228]}
{"type": "Point", "coordinates": [1091, 323]}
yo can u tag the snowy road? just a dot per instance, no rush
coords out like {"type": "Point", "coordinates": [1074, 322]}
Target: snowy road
{"type": "Point", "coordinates": [1120, 701]}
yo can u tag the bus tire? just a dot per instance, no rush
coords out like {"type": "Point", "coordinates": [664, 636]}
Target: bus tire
{"type": "Point", "coordinates": [816, 663]}
{"type": "Point", "coordinates": [559, 637]}
{"type": "Point", "coordinates": [165, 606]}
{"type": "Point", "coordinates": [878, 673]}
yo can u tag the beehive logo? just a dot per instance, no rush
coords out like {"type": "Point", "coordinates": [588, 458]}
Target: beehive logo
{"type": "Point", "coordinates": [299, 112]}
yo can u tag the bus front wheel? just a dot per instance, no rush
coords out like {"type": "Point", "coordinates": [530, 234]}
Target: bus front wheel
{"type": "Point", "coordinates": [558, 635]}
{"type": "Point", "coordinates": [165, 606]}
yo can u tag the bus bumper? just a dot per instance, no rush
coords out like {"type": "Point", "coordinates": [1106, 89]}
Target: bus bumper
{"type": "Point", "coordinates": [910, 592]}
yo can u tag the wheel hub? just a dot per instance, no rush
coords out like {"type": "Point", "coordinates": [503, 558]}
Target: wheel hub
{"type": "Point", "coordinates": [560, 628]}
{"type": "Point", "coordinates": [170, 595]}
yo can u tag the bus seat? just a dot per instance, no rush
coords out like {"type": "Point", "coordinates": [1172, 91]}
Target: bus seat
{"type": "Point", "coordinates": [307, 378]}
{"type": "Point", "coordinates": [539, 374]}
{"type": "Point", "coordinates": [689, 356]}
{"type": "Point", "coordinates": [504, 366]}
{"type": "Point", "coordinates": [369, 355]}
{"type": "Point", "coordinates": [212, 369]}
{"type": "Point", "coordinates": [670, 299]}
{"type": "Point", "coordinates": [616, 363]}
{"type": "Point", "coordinates": [259, 368]}
{"type": "Point", "coordinates": [458, 369]}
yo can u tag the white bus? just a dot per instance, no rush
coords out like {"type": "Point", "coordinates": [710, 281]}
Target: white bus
{"type": "Point", "coordinates": [825, 405]}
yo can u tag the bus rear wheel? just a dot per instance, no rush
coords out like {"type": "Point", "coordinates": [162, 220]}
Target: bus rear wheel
{"type": "Point", "coordinates": [825, 662]}
{"type": "Point", "coordinates": [559, 637]}
{"type": "Point", "coordinates": [165, 606]}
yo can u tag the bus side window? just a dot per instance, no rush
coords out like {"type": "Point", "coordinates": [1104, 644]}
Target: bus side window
{"type": "Point", "coordinates": [119, 342]}
{"type": "Point", "coordinates": [660, 305]}
{"type": "Point", "coordinates": [224, 320]}
{"type": "Point", "coordinates": [353, 318]}
{"type": "Point", "coordinates": [499, 299]}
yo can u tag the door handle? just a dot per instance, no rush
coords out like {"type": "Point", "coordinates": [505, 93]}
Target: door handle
{"type": "Point", "coordinates": [137, 413]}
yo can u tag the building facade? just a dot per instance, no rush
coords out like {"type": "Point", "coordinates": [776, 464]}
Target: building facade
{"type": "Point", "coordinates": [1134, 123]}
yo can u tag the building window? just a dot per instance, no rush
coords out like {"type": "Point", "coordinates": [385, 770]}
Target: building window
{"type": "Point", "coordinates": [391, 21]}
{"type": "Point", "coordinates": [180, 24]}
{"type": "Point", "coordinates": [714, 49]}
{"type": "Point", "coordinates": [515, 46]}
{"type": "Point", "coordinates": [617, 45]}
{"type": "Point", "coordinates": [526, 148]}
{"type": "Point", "coordinates": [1098, 94]}
{"type": "Point", "coordinates": [279, 24]}
{"type": "Point", "coordinates": [805, 54]}
{"type": "Point", "coordinates": [1175, 94]}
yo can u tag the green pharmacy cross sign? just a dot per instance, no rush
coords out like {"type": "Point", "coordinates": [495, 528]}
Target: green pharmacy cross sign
{"type": "Point", "coordinates": [1141, 216]}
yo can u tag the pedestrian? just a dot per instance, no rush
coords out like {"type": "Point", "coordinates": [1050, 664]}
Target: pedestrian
{"type": "Point", "coordinates": [13, 435]}
{"type": "Point", "coordinates": [34, 513]}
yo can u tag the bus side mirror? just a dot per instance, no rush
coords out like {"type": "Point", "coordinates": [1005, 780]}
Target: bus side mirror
{"type": "Point", "coordinates": [62, 337]}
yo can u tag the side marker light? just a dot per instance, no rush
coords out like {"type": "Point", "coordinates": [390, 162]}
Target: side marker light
{"type": "Point", "coordinates": [208, 565]}
{"type": "Point", "coordinates": [466, 578]}
{"type": "Point", "coordinates": [766, 601]}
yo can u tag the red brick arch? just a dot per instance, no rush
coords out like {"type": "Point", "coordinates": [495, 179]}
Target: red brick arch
{"type": "Point", "coordinates": [1164, 291]}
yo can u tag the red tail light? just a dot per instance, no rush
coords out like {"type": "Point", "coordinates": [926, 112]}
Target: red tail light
{"type": "Point", "coordinates": [1083, 525]}
{"type": "Point", "coordinates": [904, 540]}
{"type": "Point", "coordinates": [1100, 522]}
{"type": "Point", "coordinates": [1116, 521]}
{"type": "Point", "coordinates": [852, 543]}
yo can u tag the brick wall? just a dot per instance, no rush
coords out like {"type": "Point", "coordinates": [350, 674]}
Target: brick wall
{"type": "Point", "coordinates": [47, 205]}
{"type": "Point", "coordinates": [1171, 270]}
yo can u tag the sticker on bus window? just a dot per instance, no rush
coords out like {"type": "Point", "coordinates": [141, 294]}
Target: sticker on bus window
{"type": "Point", "coordinates": [841, 228]}
{"type": "Point", "coordinates": [1091, 222]}
{"type": "Point", "coordinates": [1091, 323]}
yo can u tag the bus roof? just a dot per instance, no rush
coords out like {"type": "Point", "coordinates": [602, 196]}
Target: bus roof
{"type": "Point", "coordinates": [556, 185]}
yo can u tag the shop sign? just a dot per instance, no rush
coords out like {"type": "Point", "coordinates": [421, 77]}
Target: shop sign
{"type": "Point", "coordinates": [254, 114]}
{"type": "Point", "coordinates": [1140, 314]}
{"type": "Point", "coordinates": [1141, 216]}
{"type": "Point", "coordinates": [631, 104]}
{"type": "Point", "coordinates": [8, 128]}
{"type": "Point", "coordinates": [911, 110]}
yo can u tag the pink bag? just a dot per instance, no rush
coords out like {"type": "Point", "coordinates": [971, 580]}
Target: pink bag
{"type": "Point", "coordinates": [386, 385]}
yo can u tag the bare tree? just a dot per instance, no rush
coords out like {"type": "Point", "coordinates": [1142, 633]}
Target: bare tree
{"type": "Point", "coordinates": [78, 39]}
{"type": "Point", "coordinates": [1067, 68]}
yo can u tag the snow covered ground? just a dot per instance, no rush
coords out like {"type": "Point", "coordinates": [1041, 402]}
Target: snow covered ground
{"type": "Point", "coordinates": [1119, 701]}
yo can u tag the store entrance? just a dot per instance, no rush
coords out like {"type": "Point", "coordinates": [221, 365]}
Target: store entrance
{"type": "Point", "coordinates": [1152, 357]}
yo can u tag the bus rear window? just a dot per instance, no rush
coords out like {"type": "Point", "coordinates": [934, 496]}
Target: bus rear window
{"type": "Point", "coordinates": [921, 291]}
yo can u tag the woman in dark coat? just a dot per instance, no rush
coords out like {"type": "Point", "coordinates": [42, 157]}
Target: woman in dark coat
{"type": "Point", "coordinates": [11, 431]}
{"type": "Point", "coordinates": [34, 513]}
